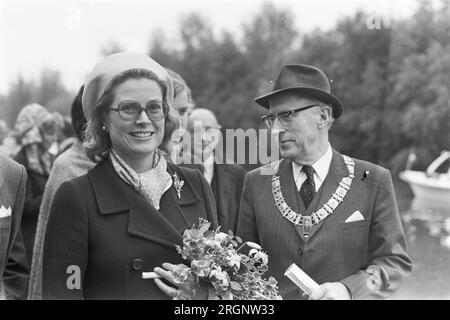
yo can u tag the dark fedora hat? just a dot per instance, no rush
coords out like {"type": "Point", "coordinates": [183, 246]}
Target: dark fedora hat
{"type": "Point", "coordinates": [303, 79]}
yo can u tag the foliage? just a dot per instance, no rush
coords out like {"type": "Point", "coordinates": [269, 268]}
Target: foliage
{"type": "Point", "coordinates": [393, 81]}
{"type": "Point", "coordinates": [48, 91]}
{"type": "Point", "coordinates": [215, 259]}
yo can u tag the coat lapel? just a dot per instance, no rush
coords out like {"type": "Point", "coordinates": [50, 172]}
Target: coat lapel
{"type": "Point", "coordinates": [337, 171]}
{"type": "Point", "coordinates": [146, 222]}
{"type": "Point", "coordinates": [114, 196]}
{"type": "Point", "coordinates": [177, 210]}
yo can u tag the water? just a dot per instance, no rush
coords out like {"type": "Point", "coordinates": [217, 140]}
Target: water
{"type": "Point", "coordinates": [428, 233]}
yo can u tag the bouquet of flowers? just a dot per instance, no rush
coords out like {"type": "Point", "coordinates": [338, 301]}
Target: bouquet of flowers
{"type": "Point", "coordinates": [215, 259]}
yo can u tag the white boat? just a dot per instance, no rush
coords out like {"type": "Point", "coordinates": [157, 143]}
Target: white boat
{"type": "Point", "coordinates": [431, 189]}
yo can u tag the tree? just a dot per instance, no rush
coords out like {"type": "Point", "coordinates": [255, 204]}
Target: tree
{"type": "Point", "coordinates": [268, 42]}
{"type": "Point", "coordinates": [52, 93]}
{"type": "Point", "coordinates": [21, 93]}
{"type": "Point", "coordinates": [159, 51]}
{"type": "Point", "coordinates": [49, 91]}
{"type": "Point", "coordinates": [393, 81]}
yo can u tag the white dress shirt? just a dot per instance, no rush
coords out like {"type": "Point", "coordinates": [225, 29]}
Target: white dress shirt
{"type": "Point", "coordinates": [321, 168]}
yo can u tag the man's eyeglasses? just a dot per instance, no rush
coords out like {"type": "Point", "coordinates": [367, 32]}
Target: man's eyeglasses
{"type": "Point", "coordinates": [131, 110]}
{"type": "Point", "coordinates": [284, 117]}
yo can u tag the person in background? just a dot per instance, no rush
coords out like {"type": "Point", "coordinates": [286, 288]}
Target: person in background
{"type": "Point", "coordinates": [3, 130]}
{"type": "Point", "coordinates": [10, 146]}
{"type": "Point", "coordinates": [182, 102]}
{"type": "Point", "coordinates": [126, 215]}
{"type": "Point", "coordinates": [226, 179]}
{"type": "Point", "coordinates": [70, 164]}
{"type": "Point", "coordinates": [67, 135]}
{"type": "Point", "coordinates": [37, 131]}
{"type": "Point", "coordinates": [183, 105]}
{"type": "Point", "coordinates": [14, 266]}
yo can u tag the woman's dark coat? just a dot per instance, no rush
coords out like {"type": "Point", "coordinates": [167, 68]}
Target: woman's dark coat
{"type": "Point", "coordinates": [103, 228]}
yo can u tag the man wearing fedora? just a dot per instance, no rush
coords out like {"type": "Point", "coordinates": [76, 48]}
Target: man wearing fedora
{"type": "Point", "coordinates": [333, 216]}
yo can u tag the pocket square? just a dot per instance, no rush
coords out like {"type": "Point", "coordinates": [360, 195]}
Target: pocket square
{"type": "Point", "coordinates": [356, 216]}
{"type": "Point", "coordinates": [5, 212]}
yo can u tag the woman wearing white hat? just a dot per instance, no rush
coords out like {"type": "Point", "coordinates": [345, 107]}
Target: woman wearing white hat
{"type": "Point", "coordinates": [125, 216]}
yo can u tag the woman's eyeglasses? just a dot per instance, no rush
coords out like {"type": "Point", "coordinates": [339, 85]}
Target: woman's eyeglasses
{"type": "Point", "coordinates": [285, 117]}
{"type": "Point", "coordinates": [131, 110]}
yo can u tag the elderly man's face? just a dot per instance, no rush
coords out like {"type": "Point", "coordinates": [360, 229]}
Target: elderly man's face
{"type": "Point", "coordinates": [209, 138]}
{"type": "Point", "coordinates": [302, 133]}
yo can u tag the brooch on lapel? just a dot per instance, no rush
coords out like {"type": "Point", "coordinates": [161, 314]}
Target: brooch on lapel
{"type": "Point", "coordinates": [178, 184]}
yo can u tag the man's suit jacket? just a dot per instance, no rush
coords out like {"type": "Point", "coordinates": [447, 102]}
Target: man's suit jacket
{"type": "Point", "coordinates": [14, 266]}
{"type": "Point", "coordinates": [226, 185]}
{"type": "Point", "coordinates": [34, 191]}
{"type": "Point", "coordinates": [368, 256]}
{"type": "Point", "coordinates": [104, 227]}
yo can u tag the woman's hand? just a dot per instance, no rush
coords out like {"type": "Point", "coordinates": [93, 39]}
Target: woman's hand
{"type": "Point", "coordinates": [183, 290]}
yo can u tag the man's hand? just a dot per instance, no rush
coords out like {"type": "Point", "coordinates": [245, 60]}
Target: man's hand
{"type": "Point", "coordinates": [331, 291]}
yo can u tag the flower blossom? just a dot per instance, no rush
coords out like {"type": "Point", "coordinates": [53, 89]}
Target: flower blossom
{"type": "Point", "coordinates": [259, 255]}
{"type": "Point", "coordinates": [253, 245]}
{"type": "Point", "coordinates": [201, 267]}
{"type": "Point", "coordinates": [234, 261]}
{"type": "Point", "coordinates": [220, 279]}
{"type": "Point", "coordinates": [222, 237]}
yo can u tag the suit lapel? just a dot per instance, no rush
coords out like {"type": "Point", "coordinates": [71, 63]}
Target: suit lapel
{"type": "Point", "coordinates": [337, 171]}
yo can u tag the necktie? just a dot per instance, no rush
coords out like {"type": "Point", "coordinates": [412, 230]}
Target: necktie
{"type": "Point", "coordinates": [308, 189]}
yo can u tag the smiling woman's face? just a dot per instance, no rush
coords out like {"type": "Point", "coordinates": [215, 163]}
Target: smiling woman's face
{"type": "Point", "coordinates": [136, 140]}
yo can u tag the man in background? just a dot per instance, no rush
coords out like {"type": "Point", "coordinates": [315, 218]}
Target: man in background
{"type": "Point", "coordinates": [226, 180]}
{"type": "Point", "coordinates": [13, 260]}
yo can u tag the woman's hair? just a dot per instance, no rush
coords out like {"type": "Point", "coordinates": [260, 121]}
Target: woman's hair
{"type": "Point", "coordinates": [179, 85]}
{"type": "Point", "coordinates": [78, 119]}
{"type": "Point", "coordinates": [98, 141]}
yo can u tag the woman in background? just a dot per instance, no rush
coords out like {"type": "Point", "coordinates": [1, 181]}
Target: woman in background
{"type": "Point", "coordinates": [36, 128]}
{"type": "Point", "coordinates": [182, 102]}
{"type": "Point", "coordinates": [183, 105]}
{"type": "Point", "coordinates": [70, 164]}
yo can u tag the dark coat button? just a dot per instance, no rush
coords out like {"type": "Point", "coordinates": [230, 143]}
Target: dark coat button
{"type": "Point", "coordinates": [137, 264]}
{"type": "Point", "coordinates": [300, 251]}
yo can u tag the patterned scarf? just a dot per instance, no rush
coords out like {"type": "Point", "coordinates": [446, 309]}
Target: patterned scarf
{"type": "Point", "coordinates": [151, 184]}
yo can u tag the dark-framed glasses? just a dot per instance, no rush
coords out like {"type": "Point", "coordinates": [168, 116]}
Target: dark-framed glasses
{"type": "Point", "coordinates": [131, 110]}
{"type": "Point", "coordinates": [285, 117]}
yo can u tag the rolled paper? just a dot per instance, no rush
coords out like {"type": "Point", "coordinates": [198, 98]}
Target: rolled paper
{"type": "Point", "coordinates": [150, 275]}
{"type": "Point", "coordinates": [301, 279]}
